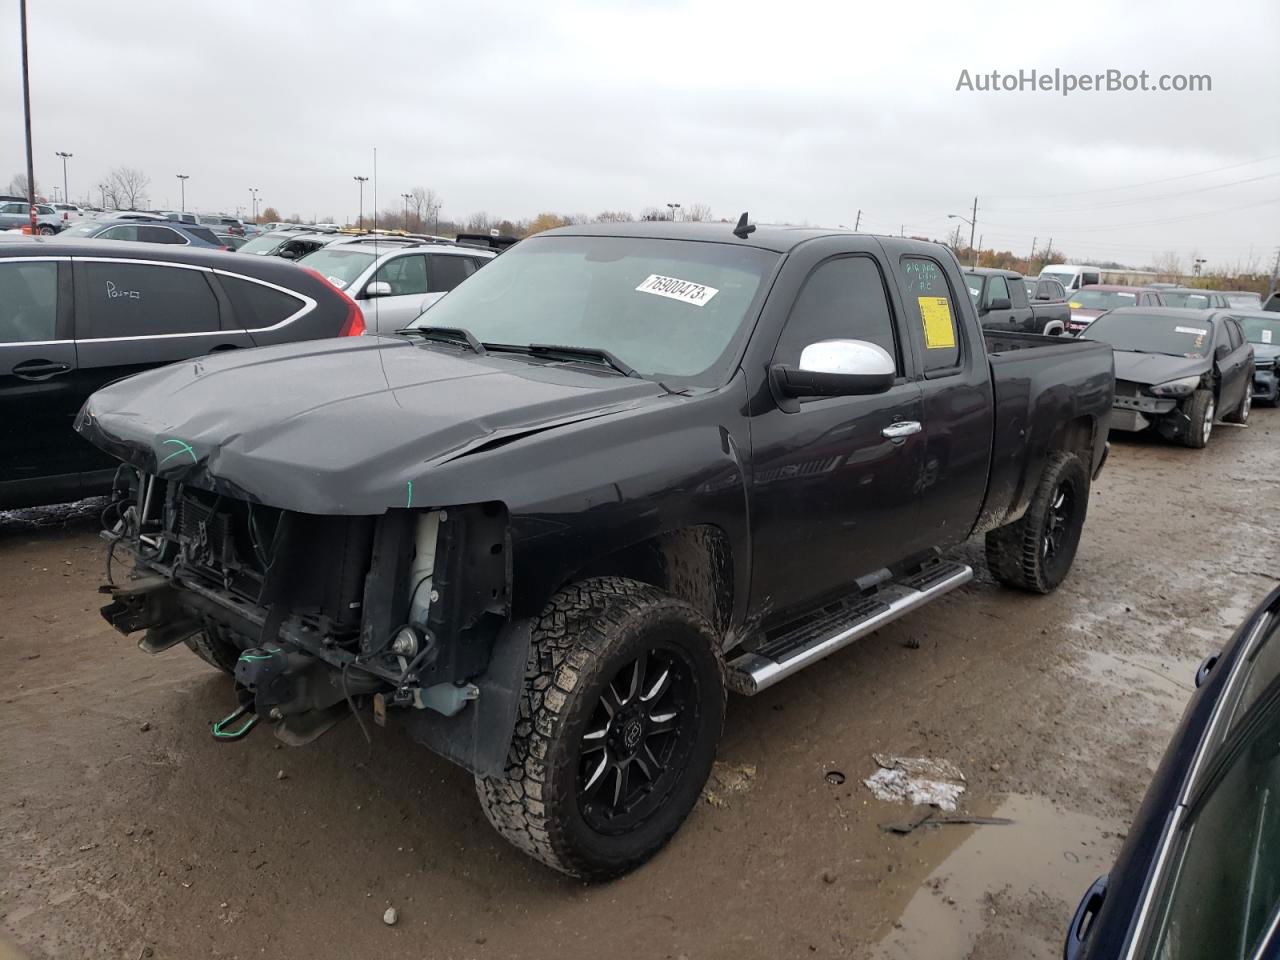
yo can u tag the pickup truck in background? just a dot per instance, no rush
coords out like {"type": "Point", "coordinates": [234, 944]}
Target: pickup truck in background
{"type": "Point", "coordinates": [1000, 297]}
{"type": "Point", "coordinates": [621, 470]}
{"type": "Point", "coordinates": [1044, 288]}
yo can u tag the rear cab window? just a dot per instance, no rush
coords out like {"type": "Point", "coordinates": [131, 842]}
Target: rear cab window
{"type": "Point", "coordinates": [931, 309]}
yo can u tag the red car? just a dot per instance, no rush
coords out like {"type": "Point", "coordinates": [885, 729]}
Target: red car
{"type": "Point", "coordinates": [1092, 301]}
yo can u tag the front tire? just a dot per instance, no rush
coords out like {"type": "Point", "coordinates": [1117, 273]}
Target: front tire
{"type": "Point", "coordinates": [1201, 411]}
{"type": "Point", "coordinates": [618, 727]}
{"type": "Point", "coordinates": [1036, 552]}
{"type": "Point", "coordinates": [46, 231]}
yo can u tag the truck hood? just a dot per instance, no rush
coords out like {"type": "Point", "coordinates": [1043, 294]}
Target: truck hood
{"type": "Point", "coordinates": [1152, 368]}
{"type": "Point", "coordinates": [1266, 351]}
{"type": "Point", "coordinates": [341, 426]}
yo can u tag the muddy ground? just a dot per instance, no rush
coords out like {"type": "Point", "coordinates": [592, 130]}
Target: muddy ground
{"type": "Point", "coordinates": [126, 831]}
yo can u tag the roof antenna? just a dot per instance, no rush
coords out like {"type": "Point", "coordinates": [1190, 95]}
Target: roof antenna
{"type": "Point", "coordinates": [743, 229]}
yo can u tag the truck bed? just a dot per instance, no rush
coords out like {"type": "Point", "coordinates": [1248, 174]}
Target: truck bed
{"type": "Point", "coordinates": [1042, 386]}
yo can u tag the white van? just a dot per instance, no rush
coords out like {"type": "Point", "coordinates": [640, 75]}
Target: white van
{"type": "Point", "coordinates": [1071, 276]}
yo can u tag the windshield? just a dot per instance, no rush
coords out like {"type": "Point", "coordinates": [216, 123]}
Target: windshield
{"type": "Point", "coordinates": [1147, 333]}
{"type": "Point", "coordinates": [81, 228]}
{"type": "Point", "coordinates": [1185, 298]}
{"type": "Point", "coordinates": [1102, 299]}
{"type": "Point", "coordinates": [1261, 329]}
{"type": "Point", "coordinates": [265, 245]}
{"type": "Point", "coordinates": [339, 265]}
{"type": "Point", "coordinates": [664, 307]}
{"type": "Point", "coordinates": [1063, 278]}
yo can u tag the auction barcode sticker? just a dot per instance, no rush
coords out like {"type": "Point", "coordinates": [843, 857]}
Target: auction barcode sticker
{"type": "Point", "coordinates": [686, 291]}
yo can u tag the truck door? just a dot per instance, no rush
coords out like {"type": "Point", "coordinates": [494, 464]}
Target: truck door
{"type": "Point", "coordinates": [834, 479]}
{"type": "Point", "coordinates": [956, 395]}
{"type": "Point", "coordinates": [997, 303]}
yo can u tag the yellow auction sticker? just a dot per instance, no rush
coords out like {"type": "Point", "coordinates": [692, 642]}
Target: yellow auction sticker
{"type": "Point", "coordinates": [939, 327]}
{"type": "Point", "coordinates": [1074, 306]}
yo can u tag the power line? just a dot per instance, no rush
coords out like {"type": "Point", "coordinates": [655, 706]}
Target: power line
{"type": "Point", "coordinates": [1145, 183]}
{"type": "Point", "coordinates": [1125, 203]}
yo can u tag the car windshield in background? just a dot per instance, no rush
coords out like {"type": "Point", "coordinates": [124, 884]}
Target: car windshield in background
{"type": "Point", "coordinates": [340, 266]}
{"type": "Point", "coordinates": [1063, 278]}
{"type": "Point", "coordinates": [664, 307]}
{"type": "Point", "coordinates": [1182, 298]}
{"type": "Point", "coordinates": [1102, 299]}
{"type": "Point", "coordinates": [85, 228]}
{"type": "Point", "coordinates": [1261, 329]}
{"type": "Point", "coordinates": [1147, 333]}
{"type": "Point", "coordinates": [1245, 301]}
{"type": "Point", "coordinates": [265, 245]}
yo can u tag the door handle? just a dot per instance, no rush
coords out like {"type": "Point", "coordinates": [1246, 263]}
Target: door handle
{"type": "Point", "coordinates": [40, 369]}
{"type": "Point", "coordinates": [901, 430]}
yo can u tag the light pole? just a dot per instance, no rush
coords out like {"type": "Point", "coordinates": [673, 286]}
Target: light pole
{"type": "Point", "coordinates": [673, 207]}
{"type": "Point", "coordinates": [406, 197]}
{"type": "Point", "coordinates": [65, 157]}
{"type": "Point", "coordinates": [253, 193]}
{"type": "Point", "coordinates": [26, 113]}
{"type": "Point", "coordinates": [1198, 262]}
{"type": "Point", "coordinates": [971, 223]}
{"type": "Point", "coordinates": [362, 181]}
{"type": "Point", "coordinates": [103, 188]}
{"type": "Point", "coordinates": [182, 185]}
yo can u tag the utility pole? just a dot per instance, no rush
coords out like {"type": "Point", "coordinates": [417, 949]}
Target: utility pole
{"type": "Point", "coordinates": [973, 223]}
{"type": "Point", "coordinates": [66, 196]}
{"type": "Point", "coordinates": [1033, 250]}
{"type": "Point", "coordinates": [182, 185]}
{"type": "Point", "coordinates": [26, 112]}
{"type": "Point", "coordinates": [1275, 272]}
{"type": "Point", "coordinates": [253, 193]}
{"type": "Point", "coordinates": [858, 222]}
{"type": "Point", "coordinates": [362, 181]}
{"type": "Point", "coordinates": [977, 253]}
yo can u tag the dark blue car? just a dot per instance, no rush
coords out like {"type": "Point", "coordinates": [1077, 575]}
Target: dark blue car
{"type": "Point", "coordinates": [1199, 873]}
{"type": "Point", "coordinates": [158, 230]}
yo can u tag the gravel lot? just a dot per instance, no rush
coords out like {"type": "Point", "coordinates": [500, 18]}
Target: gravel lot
{"type": "Point", "coordinates": [126, 831]}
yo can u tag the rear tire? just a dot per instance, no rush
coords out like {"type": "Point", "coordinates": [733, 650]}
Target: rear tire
{"type": "Point", "coordinates": [619, 722]}
{"type": "Point", "coordinates": [1201, 410]}
{"type": "Point", "coordinates": [46, 231]}
{"type": "Point", "coordinates": [215, 649]}
{"type": "Point", "coordinates": [1036, 552]}
{"type": "Point", "coordinates": [1241, 413]}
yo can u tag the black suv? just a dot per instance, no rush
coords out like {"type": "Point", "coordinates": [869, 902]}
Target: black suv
{"type": "Point", "coordinates": [77, 316]}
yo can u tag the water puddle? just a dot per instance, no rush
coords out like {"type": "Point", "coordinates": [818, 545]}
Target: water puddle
{"type": "Point", "coordinates": [1014, 886]}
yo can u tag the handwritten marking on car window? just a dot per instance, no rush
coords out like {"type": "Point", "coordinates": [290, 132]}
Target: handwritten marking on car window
{"type": "Point", "coordinates": [115, 293]}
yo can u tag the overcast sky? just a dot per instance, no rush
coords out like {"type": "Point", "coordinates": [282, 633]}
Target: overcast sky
{"type": "Point", "coordinates": [794, 111]}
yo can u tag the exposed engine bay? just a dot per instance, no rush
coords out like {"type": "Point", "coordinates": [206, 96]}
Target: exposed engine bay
{"type": "Point", "coordinates": [314, 615]}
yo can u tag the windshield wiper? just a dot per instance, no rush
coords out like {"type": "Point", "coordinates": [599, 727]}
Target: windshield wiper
{"type": "Point", "coordinates": [596, 354]}
{"type": "Point", "coordinates": [448, 335]}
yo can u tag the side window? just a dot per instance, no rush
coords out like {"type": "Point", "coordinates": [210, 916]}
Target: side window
{"type": "Point", "coordinates": [997, 289]}
{"type": "Point", "coordinates": [257, 305]}
{"type": "Point", "coordinates": [1225, 879]}
{"type": "Point", "coordinates": [447, 272]}
{"type": "Point", "coordinates": [1088, 278]}
{"type": "Point", "coordinates": [843, 299]}
{"type": "Point", "coordinates": [28, 301]}
{"type": "Point", "coordinates": [123, 231]}
{"type": "Point", "coordinates": [930, 305]}
{"type": "Point", "coordinates": [407, 275]}
{"type": "Point", "coordinates": [159, 235]}
{"type": "Point", "coordinates": [137, 300]}
{"type": "Point", "coordinates": [11, 208]}
{"type": "Point", "coordinates": [1233, 331]}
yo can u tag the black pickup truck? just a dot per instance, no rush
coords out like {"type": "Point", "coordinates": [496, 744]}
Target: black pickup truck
{"type": "Point", "coordinates": [1000, 297]}
{"type": "Point", "coordinates": [619, 471]}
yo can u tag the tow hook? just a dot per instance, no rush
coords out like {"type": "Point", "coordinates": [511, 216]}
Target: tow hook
{"type": "Point", "coordinates": [222, 728]}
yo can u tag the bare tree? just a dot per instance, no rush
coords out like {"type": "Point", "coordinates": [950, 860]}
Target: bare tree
{"type": "Point", "coordinates": [18, 185]}
{"type": "Point", "coordinates": [479, 222]}
{"type": "Point", "coordinates": [424, 204]}
{"type": "Point", "coordinates": [127, 187]}
{"type": "Point", "coordinates": [614, 216]}
{"type": "Point", "coordinates": [1168, 265]}
{"type": "Point", "coordinates": [697, 212]}
{"type": "Point", "coordinates": [653, 213]}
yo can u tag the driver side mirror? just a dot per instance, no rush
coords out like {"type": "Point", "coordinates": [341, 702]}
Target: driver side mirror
{"type": "Point", "coordinates": [1221, 352]}
{"type": "Point", "coordinates": [998, 303]}
{"type": "Point", "coordinates": [379, 288]}
{"type": "Point", "coordinates": [836, 368]}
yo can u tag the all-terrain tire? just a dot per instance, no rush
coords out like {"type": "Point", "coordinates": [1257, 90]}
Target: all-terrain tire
{"type": "Point", "coordinates": [1241, 413]}
{"type": "Point", "coordinates": [1201, 410]}
{"type": "Point", "coordinates": [1035, 553]}
{"type": "Point", "coordinates": [215, 649]}
{"type": "Point", "coordinates": [587, 637]}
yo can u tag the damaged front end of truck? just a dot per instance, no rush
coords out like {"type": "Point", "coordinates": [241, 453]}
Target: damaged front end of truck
{"type": "Point", "coordinates": [312, 612]}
